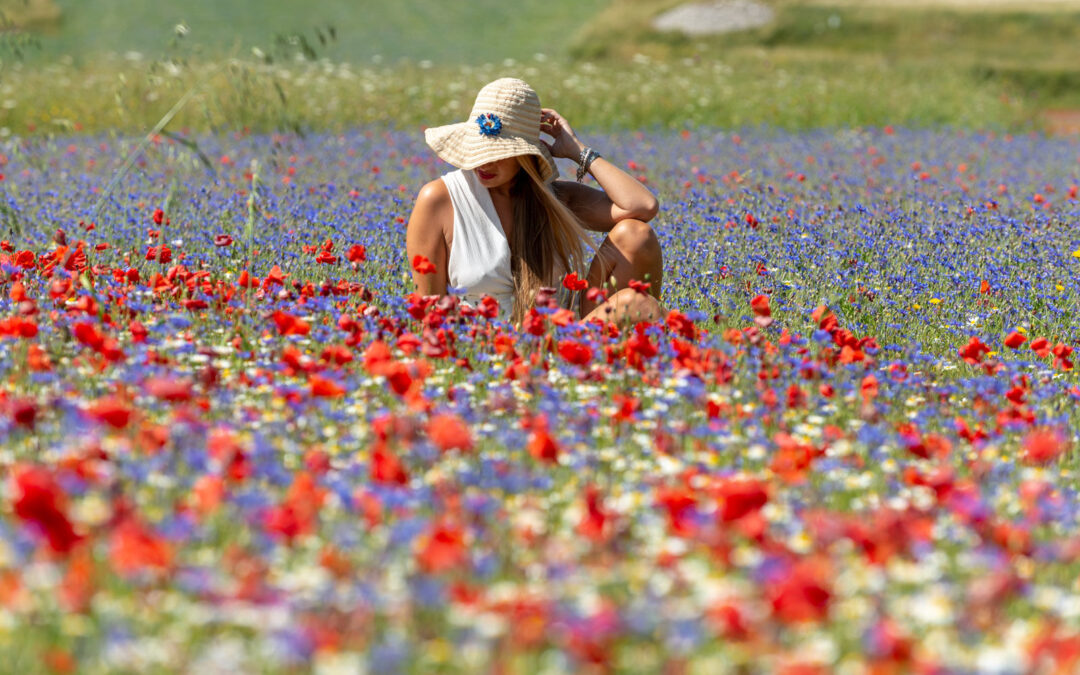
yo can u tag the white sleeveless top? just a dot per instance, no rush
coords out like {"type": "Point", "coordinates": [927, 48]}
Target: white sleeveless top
{"type": "Point", "coordinates": [479, 262]}
{"type": "Point", "coordinates": [479, 253]}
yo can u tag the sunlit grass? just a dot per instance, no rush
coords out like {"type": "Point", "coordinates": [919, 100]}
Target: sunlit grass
{"type": "Point", "coordinates": [747, 88]}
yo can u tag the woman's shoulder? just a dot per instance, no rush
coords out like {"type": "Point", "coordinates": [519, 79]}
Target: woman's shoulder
{"type": "Point", "coordinates": [433, 209]}
{"type": "Point", "coordinates": [433, 195]}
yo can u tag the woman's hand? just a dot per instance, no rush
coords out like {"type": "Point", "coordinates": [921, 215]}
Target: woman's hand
{"type": "Point", "coordinates": [565, 143]}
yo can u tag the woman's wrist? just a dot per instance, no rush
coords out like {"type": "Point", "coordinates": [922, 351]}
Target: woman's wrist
{"type": "Point", "coordinates": [585, 160]}
{"type": "Point", "coordinates": [575, 151]}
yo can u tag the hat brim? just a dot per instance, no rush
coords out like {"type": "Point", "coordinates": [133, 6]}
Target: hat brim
{"type": "Point", "coordinates": [463, 146]}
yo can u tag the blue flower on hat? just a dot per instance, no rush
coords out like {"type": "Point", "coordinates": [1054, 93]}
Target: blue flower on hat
{"type": "Point", "coordinates": [490, 124]}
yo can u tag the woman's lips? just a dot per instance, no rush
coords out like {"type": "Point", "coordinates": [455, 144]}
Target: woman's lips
{"type": "Point", "coordinates": [484, 175]}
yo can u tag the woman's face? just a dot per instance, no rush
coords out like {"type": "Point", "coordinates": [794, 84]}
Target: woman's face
{"type": "Point", "coordinates": [497, 173]}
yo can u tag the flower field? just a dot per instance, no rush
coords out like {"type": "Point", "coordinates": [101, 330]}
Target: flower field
{"type": "Point", "coordinates": [232, 441]}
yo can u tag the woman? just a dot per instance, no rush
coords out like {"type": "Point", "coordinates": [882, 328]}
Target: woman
{"type": "Point", "coordinates": [502, 226]}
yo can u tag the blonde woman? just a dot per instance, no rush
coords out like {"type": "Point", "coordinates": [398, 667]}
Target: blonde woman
{"type": "Point", "coordinates": [501, 225]}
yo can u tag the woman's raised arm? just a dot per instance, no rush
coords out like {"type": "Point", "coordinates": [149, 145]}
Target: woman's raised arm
{"type": "Point", "coordinates": [623, 197]}
{"type": "Point", "coordinates": [425, 236]}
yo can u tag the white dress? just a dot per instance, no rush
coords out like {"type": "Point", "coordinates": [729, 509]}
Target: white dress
{"type": "Point", "coordinates": [479, 262]}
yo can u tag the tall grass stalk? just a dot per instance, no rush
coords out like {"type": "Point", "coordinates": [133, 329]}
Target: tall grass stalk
{"type": "Point", "coordinates": [134, 154]}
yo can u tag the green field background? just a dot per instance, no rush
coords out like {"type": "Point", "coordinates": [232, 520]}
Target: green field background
{"type": "Point", "coordinates": [462, 32]}
{"type": "Point", "coordinates": [81, 65]}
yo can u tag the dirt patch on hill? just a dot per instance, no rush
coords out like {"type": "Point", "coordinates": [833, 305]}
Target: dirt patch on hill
{"type": "Point", "coordinates": [1062, 121]}
{"type": "Point", "coordinates": [712, 18]}
{"type": "Point", "coordinates": [974, 5]}
{"type": "Point", "coordinates": [27, 13]}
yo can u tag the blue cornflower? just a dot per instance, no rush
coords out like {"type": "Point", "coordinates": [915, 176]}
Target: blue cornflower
{"type": "Point", "coordinates": [490, 124]}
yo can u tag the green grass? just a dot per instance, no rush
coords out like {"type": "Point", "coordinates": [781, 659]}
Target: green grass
{"type": "Point", "coordinates": [746, 90]}
{"type": "Point", "coordinates": [461, 32]}
{"type": "Point", "coordinates": [814, 66]}
{"type": "Point", "coordinates": [1036, 52]}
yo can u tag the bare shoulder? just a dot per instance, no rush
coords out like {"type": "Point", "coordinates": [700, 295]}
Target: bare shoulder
{"type": "Point", "coordinates": [434, 196]}
{"type": "Point", "coordinates": [432, 209]}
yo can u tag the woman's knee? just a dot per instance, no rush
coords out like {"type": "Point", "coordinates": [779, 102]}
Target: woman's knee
{"type": "Point", "coordinates": [633, 304]}
{"type": "Point", "coordinates": [635, 237]}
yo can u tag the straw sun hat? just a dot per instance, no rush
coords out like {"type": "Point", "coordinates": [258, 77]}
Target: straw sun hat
{"type": "Point", "coordinates": [504, 122]}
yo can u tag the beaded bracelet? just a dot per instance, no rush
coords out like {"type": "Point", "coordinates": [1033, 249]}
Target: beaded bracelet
{"type": "Point", "coordinates": [588, 155]}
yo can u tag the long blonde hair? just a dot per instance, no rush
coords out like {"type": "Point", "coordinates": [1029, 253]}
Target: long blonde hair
{"type": "Point", "coordinates": [545, 232]}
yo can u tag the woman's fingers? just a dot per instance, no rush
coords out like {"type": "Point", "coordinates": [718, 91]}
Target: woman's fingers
{"type": "Point", "coordinates": [551, 116]}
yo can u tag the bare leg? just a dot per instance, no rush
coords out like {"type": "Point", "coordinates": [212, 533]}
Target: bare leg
{"type": "Point", "coordinates": [630, 251]}
{"type": "Point", "coordinates": [627, 306]}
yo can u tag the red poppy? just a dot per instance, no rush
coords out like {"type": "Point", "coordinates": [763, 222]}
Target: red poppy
{"type": "Point", "coordinates": [377, 358]}
{"type": "Point", "coordinates": [337, 354]}
{"type": "Point", "coordinates": [443, 548]}
{"type": "Point", "coordinates": [138, 332]}
{"type": "Point", "coordinates": [111, 411]}
{"type": "Point", "coordinates": [38, 499]}
{"type": "Point", "coordinates": [594, 522]}
{"type": "Point", "coordinates": [1014, 340]}
{"type": "Point", "coordinates": [282, 521]}
{"type": "Point", "coordinates": [87, 334]}
{"type": "Point", "coordinates": [680, 502]}
{"type": "Point", "coordinates": [1041, 346]}
{"type": "Point", "coordinates": [275, 277]}
{"type": "Point", "coordinates": [626, 407]}
{"type": "Point", "coordinates": [489, 307]}
{"type": "Point", "coordinates": [288, 324]}
{"type": "Point", "coordinates": [1043, 445]}
{"type": "Point", "coordinates": [974, 351]}
{"type": "Point", "coordinates": [738, 497]}
{"type": "Point", "coordinates": [542, 445]}
{"type": "Point", "coordinates": [386, 467]}
{"type": "Point", "coordinates": [573, 283]}
{"type": "Point", "coordinates": [18, 327]}
{"type": "Point", "coordinates": [223, 240]}
{"type": "Point", "coordinates": [38, 359]}
{"type": "Point", "coordinates": [1061, 353]}
{"type": "Point", "coordinates": [162, 254]}
{"type": "Point", "coordinates": [208, 493]}
{"type": "Point", "coordinates": [802, 595]}
{"type": "Point", "coordinates": [760, 305]}
{"type": "Point", "coordinates": [869, 387]}
{"type": "Point", "coordinates": [322, 387]}
{"type": "Point", "coordinates": [640, 286]}
{"type": "Point", "coordinates": [792, 459]}
{"type": "Point", "coordinates": [25, 259]}
{"type": "Point", "coordinates": [575, 352]}
{"type": "Point", "coordinates": [168, 388]}
{"type": "Point", "coordinates": [534, 322]}
{"type": "Point", "coordinates": [449, 432]}
{"type": "Point", "coordinates": [357, 253]}
{"type": "Point", "coordinates": [640, 345]}
{"type": "Point", "coordinates": [422, 265]}
{"type": "Point", "coordinates": [681, 324]}
{"type": "Point", "coordinates": [134, 547]}
{"type": "Point", "coordinates": [399, 377]}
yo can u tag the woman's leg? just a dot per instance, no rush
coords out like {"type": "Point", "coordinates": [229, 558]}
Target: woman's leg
{"type": "Point", "coordinates": [630, 251]}
{"type": "Point", "coordinates": [627, 306]}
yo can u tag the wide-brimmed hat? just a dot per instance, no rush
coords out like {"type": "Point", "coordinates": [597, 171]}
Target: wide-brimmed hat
{"type": "Point", "coordinates": [504, 122]}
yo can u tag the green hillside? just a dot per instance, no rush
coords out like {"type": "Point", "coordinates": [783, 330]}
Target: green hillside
{"type": "Point", "coordinates": [468, 32]}
{"type": "Point", "coordinates": [817, 63]}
